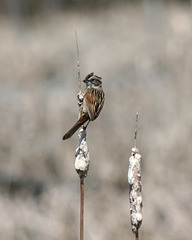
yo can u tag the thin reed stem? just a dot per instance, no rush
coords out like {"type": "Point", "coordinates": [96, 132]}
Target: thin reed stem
{"type": "Point", "coordinates": [82, 152]}
{"type": "Point", "coordinates": [136, 129]}
{"type": "Point", "coordinates": [137, 235]}
{"type": "Point", "coordinates": [82, 209]}
{"type": "Point", "coordinates": [78, 63]}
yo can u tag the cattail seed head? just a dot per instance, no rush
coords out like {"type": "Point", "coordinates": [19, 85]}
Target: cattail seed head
{"type": "Point", "coordinates": [135, 197]}
{"type": "Point", "coordinates": [82, 159]}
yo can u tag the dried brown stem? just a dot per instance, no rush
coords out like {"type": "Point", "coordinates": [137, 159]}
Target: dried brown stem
{"type": "Point", "coordinates": [137, 235]}
{"type": "Point", "coordinates": [136, 129]}
{"type": "Point", "coordinates": [82, 209]}
{"type": "Point", "coordinates": [82, 152]}
{"type": "Point", "coordinates": [78, 63]}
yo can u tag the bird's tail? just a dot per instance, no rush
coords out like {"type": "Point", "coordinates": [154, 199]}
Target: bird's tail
{"type": "Point", "coordinates": [84, 118]}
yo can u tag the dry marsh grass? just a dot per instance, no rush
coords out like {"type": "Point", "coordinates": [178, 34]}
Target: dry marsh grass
{"type": "Point", "coordinates": [143, 53]}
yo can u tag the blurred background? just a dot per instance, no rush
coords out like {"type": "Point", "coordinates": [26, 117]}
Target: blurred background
{"type": "Point", "coordinates": [143, 52]}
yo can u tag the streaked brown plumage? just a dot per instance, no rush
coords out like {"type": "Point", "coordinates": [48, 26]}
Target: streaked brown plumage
{"type": "Point", "coordinates": [92, 103]}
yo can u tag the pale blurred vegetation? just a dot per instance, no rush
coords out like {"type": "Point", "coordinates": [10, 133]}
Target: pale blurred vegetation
{"type": "Point", "coordinates": [143, 51]}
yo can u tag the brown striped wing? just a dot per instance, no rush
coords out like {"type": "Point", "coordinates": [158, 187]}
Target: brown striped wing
{"type": "Point", "coordinates": [94, 100]}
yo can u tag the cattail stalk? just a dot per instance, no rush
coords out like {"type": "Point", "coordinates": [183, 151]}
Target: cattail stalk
{"type": "Point", "coordinates": [82, 209]}
{"type": "Point", "coordinates": [135, 187]}
{"type": "Point", "coordinates": [82, 159]}
{"type": "Point", "coordinates": [78, 63]}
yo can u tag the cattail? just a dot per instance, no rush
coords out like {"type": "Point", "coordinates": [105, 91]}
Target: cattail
{"type": "Point", "coordinates": [134, 180]}
{"type": "Point", "coordinates": [82, 159]}
{"type": "Point", "coordinates": [82, 155]}
{"type": "Point", "coordinates": [82, 166]}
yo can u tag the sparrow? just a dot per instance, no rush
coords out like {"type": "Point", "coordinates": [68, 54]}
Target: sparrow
{"type": "Point", "coordinates": [93, 102]}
